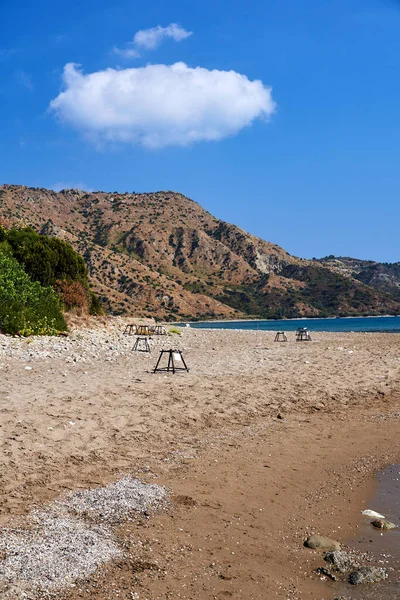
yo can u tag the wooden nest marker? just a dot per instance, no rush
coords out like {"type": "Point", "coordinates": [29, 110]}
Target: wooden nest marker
{"type": "Point", "coordinates": [175, 363]}
{"type": "Point", "coordinates": [130, 330]}
{"type": "Point", "coordinates": [303, 335]}
{"type": "Point", "coordinates": [280, 337]}
{"type": "Point", "coordinates": [159, 330]}
{"type": "Point", "coordinates": [141, 345]}
{"type": "Point", "coordinates": [143, 330]}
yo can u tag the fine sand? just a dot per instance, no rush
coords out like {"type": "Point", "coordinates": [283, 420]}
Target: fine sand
{"type": "Point", "coordinates": [261, 444]}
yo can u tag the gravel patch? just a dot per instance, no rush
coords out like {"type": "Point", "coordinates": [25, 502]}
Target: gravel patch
{"type": "Point", "coordinates": [117, 502]}
{"type": "Point", "coordinates": [55, 547]}
{"type": "Point", "coordinates": [52, 554]}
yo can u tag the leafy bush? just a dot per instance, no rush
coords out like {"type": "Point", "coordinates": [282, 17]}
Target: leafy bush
{"type": "Point", "coordinates": [46, 259]}
{"type": "Point", "coordinates": [95, 307]}
{"type": "Point", "coordinates": [174, 330]}
{"type": "Point", "coordinates": [26, 307]}
{"type": "Point", "coordinates": [53, 262]}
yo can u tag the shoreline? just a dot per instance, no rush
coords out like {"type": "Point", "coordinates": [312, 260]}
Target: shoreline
{"type": "Point", "coordinates": [294, 430]}
{"type": "Point", "coordinates": [250, 319]}
{"type": "Point", "coordinates": [239, 531]}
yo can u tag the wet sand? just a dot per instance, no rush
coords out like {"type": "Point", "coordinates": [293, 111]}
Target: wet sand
{"type": "Point", "coordinates": [249, 485]}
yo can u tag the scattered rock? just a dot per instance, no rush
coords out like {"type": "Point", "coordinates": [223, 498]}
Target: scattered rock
{"type": "Point", "coordinates": [342, 561]}
{"type": "Point", "coordinates": [383, 524]}
{"type": "Point", "coordinates": [280, 416]}
{"type": "Point", "coordinates": [320, 542]}
{"type": "Point", "coordinates": [326, 573]}
{"type": "Point", "coordinates": [367, 575]}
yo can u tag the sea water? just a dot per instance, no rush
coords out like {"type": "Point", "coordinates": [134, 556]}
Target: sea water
{"type": "Point", "coordinates": [363, 324]}
{"type": "Point", "coordinates": [383, 545]}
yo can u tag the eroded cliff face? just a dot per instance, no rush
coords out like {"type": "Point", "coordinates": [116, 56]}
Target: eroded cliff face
{"type": "Point", "coordinates": [163, 255]}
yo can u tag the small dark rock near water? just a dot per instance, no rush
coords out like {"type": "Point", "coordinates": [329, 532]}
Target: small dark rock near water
{"type": "Point", "coordinates": [320, 542]}
{"type": "Point", "coordinates": [342, 561]}
{"type": "Point", "coordinates": [368, 575]}
{"type": "Point", "coordinates": [383, 524]}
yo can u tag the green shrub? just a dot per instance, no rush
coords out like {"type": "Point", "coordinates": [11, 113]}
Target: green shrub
{"type": "Point", "coordinates": [53, 262]}
{"type": "Point", "coordinates": [95, 307]}
{"type": "Point", "coordinates": [26, 307]}
{"type": "Point", "coordinates": [174, 330]}
{"type": "Point", "coordinates": [46, 259]}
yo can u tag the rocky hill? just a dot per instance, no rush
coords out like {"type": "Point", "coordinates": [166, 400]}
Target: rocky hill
{"type": "Point", "coordinates": [381, 276]}
{"type": "Point", "coordinates": [162, 255]}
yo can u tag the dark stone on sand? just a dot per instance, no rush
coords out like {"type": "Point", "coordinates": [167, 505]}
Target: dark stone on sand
{"type": "Point", "coordinates": [383, 524]}
{"type": "Point", "coordinates": [326, 573]}
{"type": "Point", "coordinates": [320, 542]}
{"type": "Point", "coordinates": [341, 560]}
{"type": "Point", "coordinates": [367, 575]}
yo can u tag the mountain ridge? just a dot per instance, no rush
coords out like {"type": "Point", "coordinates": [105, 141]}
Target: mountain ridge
{"type": "Point", "coordinates": [161, 254]}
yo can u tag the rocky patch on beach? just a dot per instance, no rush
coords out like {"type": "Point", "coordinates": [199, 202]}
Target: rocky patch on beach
{"type": "Point", "coordinates": [345, 565]}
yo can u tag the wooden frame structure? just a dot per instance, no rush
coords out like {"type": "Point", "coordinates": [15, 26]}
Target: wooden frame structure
{"type": "Point", "coordinates": [143, 330]}
{"type": "Point", "coordinates": [174, 356]}
{"type": "Point", "coordinates": [158, 330]}
{"type": "Point", "coordinates": [280, 337]}
{"type": "Point", "coordinates": [130, 329]}
{"type": "Point", "coordinates": [303, 335]}
{"type": "Point", "coordinates": [141, 345]}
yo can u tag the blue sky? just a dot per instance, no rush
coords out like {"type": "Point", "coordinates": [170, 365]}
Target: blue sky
{"type": "Point", "coordinates": [282, 116]}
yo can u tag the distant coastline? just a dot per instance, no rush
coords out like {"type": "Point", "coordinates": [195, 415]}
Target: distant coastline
{"type": "Point", "coordinates": [370, 324]}
{"type": "Point", "coordinates": [287, 319]}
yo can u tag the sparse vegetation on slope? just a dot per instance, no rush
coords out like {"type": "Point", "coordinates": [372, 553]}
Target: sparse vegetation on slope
{"type": "Point", "coordinates": [162, 255]}
{"type": "Point", "coordinates": [381, 276]}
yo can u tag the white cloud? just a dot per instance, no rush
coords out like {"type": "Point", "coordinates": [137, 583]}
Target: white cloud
{"type": "Point", "coordinates": [150, 39]}
{"type": "Point", "coordinates": [128, 52]}
{"type": "Point", "coordinates": [160, 105]}
{"type": "Point", "coordinates": [78, 185]}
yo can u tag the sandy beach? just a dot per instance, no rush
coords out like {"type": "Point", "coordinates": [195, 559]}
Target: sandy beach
{"type": "Point", "coordinates": [261, 444]}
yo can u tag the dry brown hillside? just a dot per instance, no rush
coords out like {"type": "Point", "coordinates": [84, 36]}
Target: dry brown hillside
{"type": "Point", "coordinates": [162, 255]}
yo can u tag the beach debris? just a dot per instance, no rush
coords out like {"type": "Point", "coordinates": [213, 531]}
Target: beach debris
{"type": "Point", "coordinates": [368, 575]}
{"type": "Point", "coordinates": [383, 524]}
{"type": "Point", "coordinates": [321, 542]}
{"type": "Point", "coordinates": [116, 502]}
{"type": "Point", "coordinates": [372, 513]}
{"type": "Point", "coordinates": [342, 561]}
{"type": "Point", "coordinates": [53, 553]}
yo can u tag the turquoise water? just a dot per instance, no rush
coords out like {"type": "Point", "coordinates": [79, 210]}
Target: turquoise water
{"type": "Point", "coordinates": [384, 324]}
